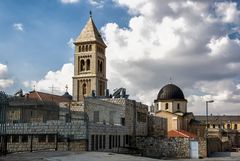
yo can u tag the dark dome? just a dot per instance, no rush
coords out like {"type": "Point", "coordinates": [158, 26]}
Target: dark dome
{"type": "Point", "coordinates": [170, 92]}
{"type": "Point", "coordinates": [67, 95]}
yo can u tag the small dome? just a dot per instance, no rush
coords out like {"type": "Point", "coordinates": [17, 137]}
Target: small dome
{"type": "Point", "coordinates": [67, 95]}
{"type": "Point", "coordinates": [170, 92]}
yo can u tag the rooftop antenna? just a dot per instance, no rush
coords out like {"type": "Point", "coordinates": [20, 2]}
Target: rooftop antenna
{"type": "Point", "coordinates": [53, 88]}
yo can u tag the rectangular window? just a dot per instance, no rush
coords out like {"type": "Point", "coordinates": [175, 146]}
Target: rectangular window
{"type": "Point", "coordinates": [15, 138]}
{"type": "Point", "coordinates": [110, 142]}
{"type": "Point", "coordinates": [127, 141]}
{"type": "Point", "coordinates": [92, 142]}
{"type": "Point", "coordinates": [113, 141]}
{"type": "Point", "coordinates": [41, 138]}
{"type": "Point", "coordinates": [116, 141]}
{"type": "Point", "coordinates": [51, 138]}
{"type": "Point", "coordinates": [122, 121]}
{"type": "Point", "coordinates": [104, 141]}
{"type": "Point", "coordinates": [96, 143]}
{"type": "Point", "coordinates": [119, 141]}
{"type": "Point", "coordinates": [100, 142]}
{"type": "Point", "coordinates": [96, 116]}
{"type": "Point", "coordinates": [24, 138]}
{"type": "Point", "coordinates": [8, 138]}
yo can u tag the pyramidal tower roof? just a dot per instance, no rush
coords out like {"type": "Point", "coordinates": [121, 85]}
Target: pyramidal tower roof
{"type": "Point", "coordinates": [90, 33]}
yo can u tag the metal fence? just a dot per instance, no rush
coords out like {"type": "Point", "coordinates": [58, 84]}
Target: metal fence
{"type": "Point", "coordinates": [3, 105]}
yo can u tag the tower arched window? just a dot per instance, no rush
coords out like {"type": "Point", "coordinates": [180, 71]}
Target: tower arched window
{"type": "Point", "coordinates": [90, 47]}
{"type": "Point", "coordinates": [235, 126]}
{"type": "Point", "coordinates": [98, 65]}
{"type": "Point", "coordinates": [228, 126]}
{"type": "Point", "coordinates": [82, 65]}
{"type": "Point", "coordinates": [88, 64]}
{"type": "Point", "coordinates": [84, 89]}
{"type": "Point", "coordinates": [166, 106]}
{"type": "Point", "coordinates": [86, 47]}
{"type": "Point", "coordinates": [178, 106]}
{"type": "Point", "coordinates": [101, 66]}
{"type": "Point", "coordinates": [83, 49]}
{"type": "Point", "coordinates": [80, 49]}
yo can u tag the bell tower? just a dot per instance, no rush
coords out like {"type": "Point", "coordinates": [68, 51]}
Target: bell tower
{"type": "Point", "coordinates": [89, 63]}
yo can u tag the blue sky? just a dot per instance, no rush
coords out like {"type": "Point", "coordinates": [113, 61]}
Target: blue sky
{"type": "Point", "coordinates": [196, 43]}
{"type": "Point", "coordinates": [47, 27]}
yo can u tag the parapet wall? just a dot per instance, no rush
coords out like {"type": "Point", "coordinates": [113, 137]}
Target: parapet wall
{"type": "Point", "coordinates": [75, 128]}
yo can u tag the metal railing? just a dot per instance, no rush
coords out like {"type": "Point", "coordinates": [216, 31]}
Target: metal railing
{"type": "Point", "coordinates": [3, 105]}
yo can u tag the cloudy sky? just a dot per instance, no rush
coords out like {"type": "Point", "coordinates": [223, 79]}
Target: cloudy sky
{"type": "Point", "coordinates": [195, 43]}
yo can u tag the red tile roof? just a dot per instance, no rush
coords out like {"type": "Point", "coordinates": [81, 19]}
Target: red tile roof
{"type": "Point", "coordinates": [181, 134]}
{"type": "Point", "coordinates": [47, 97]}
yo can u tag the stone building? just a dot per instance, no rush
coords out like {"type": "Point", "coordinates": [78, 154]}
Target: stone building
{"type": "Point", "coordinates": [34, 107]}
{"type": "Point", "coordinates": [90, 120]}
{"type": "Point", "coordinates": [172, 105]}
{"type": "Point", "coordinates": [225, 127]}
{"type": "Point", "coordinates": [89, 63]}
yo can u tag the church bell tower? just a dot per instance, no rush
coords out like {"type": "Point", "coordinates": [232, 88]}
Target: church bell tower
{"type": "Point", "coordinates": [89, 63]}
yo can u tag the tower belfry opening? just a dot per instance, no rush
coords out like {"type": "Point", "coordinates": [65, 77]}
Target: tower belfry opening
{"type": "Point", "coordinates": [89, 62]}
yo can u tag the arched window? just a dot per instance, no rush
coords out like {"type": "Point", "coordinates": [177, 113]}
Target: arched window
{"type": "Point", "coordinates": [228, 126]}
{"type": "Point", "coordinates": [98, 65]}
{"type": "Point", "coordinates": [90, 47]}
{"type": "Point", "coordinates": [83, 49]}
{"type": "Point", "coordinates": [213, 126]}
{"type": "Point", "coordinates": [84, 89]}
{"type": "Point", "coordinates": [80, 49]}
{"type": "Point", "coordinates": [88, 64]}
{"type": "Point", "coordinates": [82, 65]}
{"type": "Point", "coordinates": [166, 106]}
{"type": "Point", "coordinates": [178, 106]}
{"type": "Point", "coordinates": [86, 47]}
{"type": "Point", "coordinates": [235, 126]}
{"type": "Point", "coordinates": [101, 66]}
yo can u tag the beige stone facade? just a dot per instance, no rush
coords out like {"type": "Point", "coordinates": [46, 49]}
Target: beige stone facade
{"type": "Point", "coordinates": [89, 63]}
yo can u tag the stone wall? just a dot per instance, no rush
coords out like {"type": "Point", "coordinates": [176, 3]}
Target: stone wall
{"type": "Point", "coordinates": [202, 147]}
{"type": "Point", "coordinates": [33, 144]}
{"type": "Point", "coordinates": [75, 128]}
{"type": "Point", "coordinates": [70, 136]}
{"type": "Point", "coordinates": [136, 126]}
{"type": "Point", "coordinates": [161, 148]}
{"type": "Point", "coordinates": [157, 126]}
{"type": "Point", "coordinates": [108, 113]}
{"type": "Point", "coordinates": [217, 145]}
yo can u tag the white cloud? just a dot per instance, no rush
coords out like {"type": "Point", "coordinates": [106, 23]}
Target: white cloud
{"type": "Point", "coordinates": [18, 27]}
{"type": "Point", "coordinates": [70, 43]}
{"type": "Point", "coordinates": [97, 3]}
{"type": "Point", "coordinates": [58, 79]}
{"type": "Point", "coordinates": [227, 12]}
{"type": "Point", "coordinates": [69, 1]}
{"type": "Point", "coordinates": [5, 81]}
{"type": "Point", "coordinates": [186, 40]}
